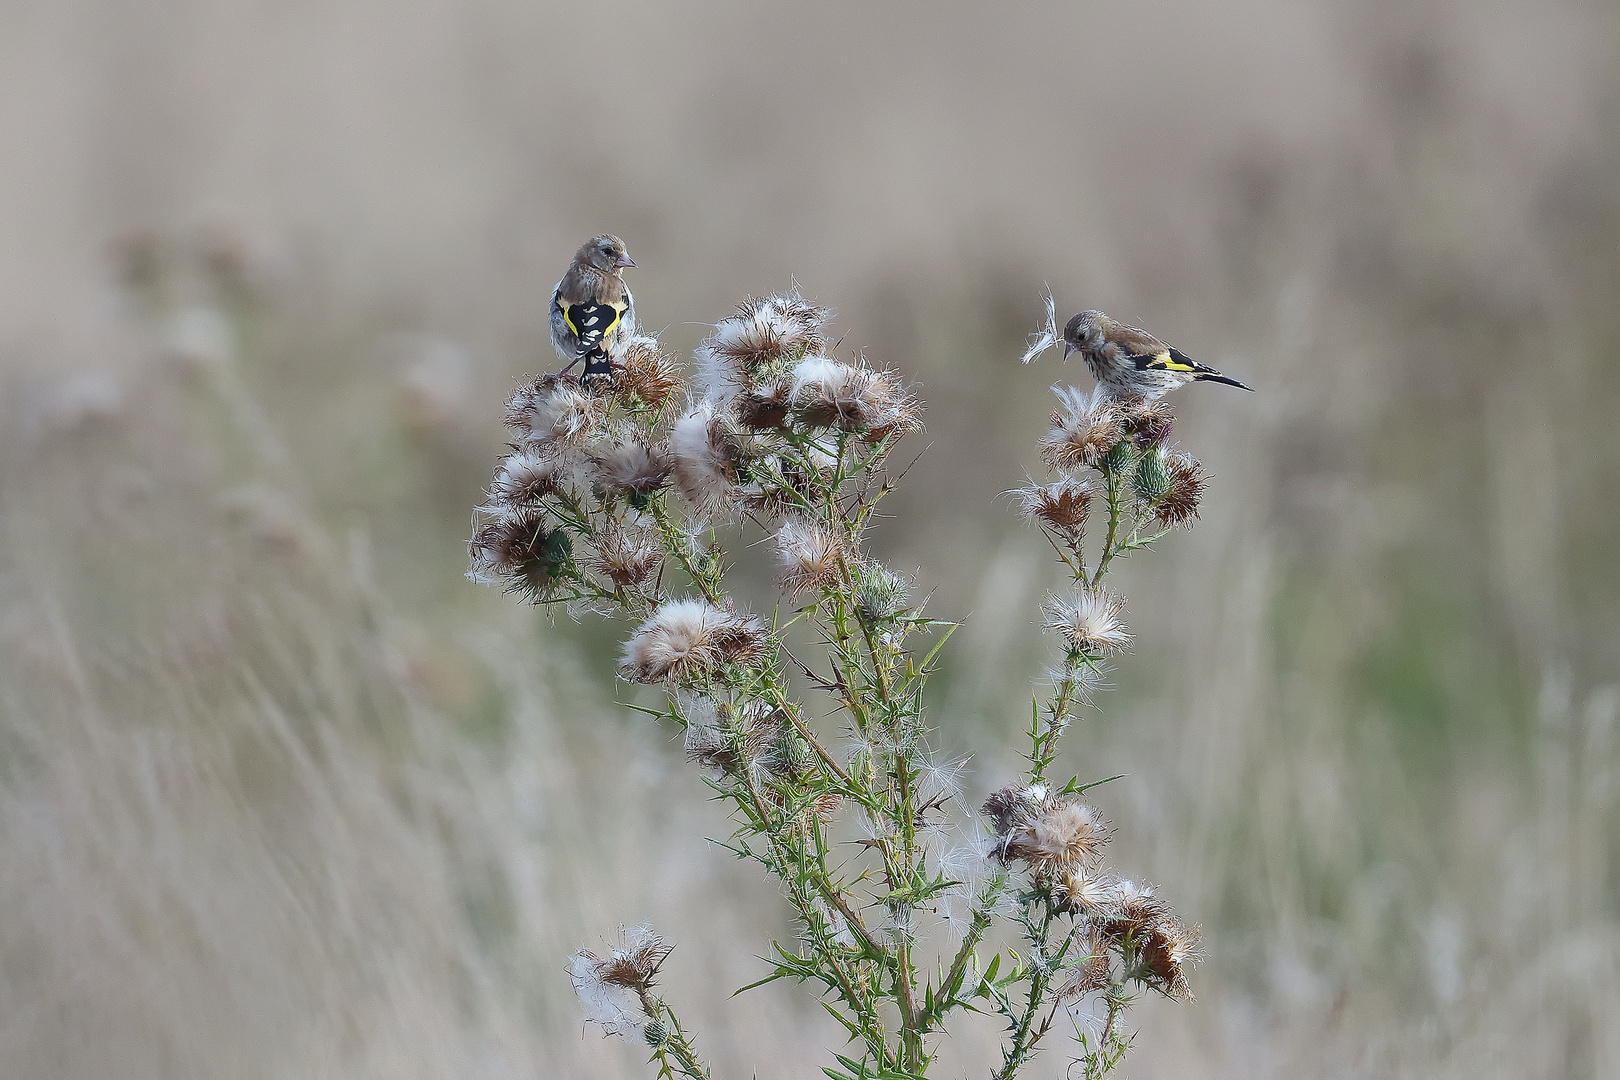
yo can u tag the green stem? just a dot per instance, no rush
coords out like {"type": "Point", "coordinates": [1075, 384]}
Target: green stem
{"type": "Point", "coordinates": [1113, 530]}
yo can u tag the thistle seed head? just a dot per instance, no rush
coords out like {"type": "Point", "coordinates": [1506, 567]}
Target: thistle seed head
{"type": "Point", "coordinates": [1147, 422]}
{"type": "Point", "coordinates": [636, 961]}
{"type": "Point", "coordinates": [1168, 949]}
{"type": "Point", "coordinates": [1186, 489]}
{"type": "Point", "coordinates": [553, 410]}
{"type": "Point", "coordinates": [765, 333]}
{"type": "Point", "coordinates": [689, 641]}
{"type": "Point", "coordinates": [1088, 620]}
{"type": "Point", "coordinates": [808, 555]}
{"type": "Point", "coordinates": [1092, 973]}
{"type": "Point", "coordinates": [629, 467]}
{"type": "Point", "coordinates": [1062, 506]}
{"type": "Point", "coordinates": [525, 476]}
{"type": "Point", "coordinates": [616, 1008]}
{"type": "Point", "coordinates": [829, 393]}
{"type": "Point", "coordinates": [1058, 835]}
{"type": "Point", "coordinates": [1084, 892]}
{"type": "Point", "coordinates": [703, 459]}
{"type": "Point", "coordinates": [628, 556]}
{"type": "Point", "coordinates": [1084, 427]}
{"type": "Point", "coordinates": [764, 407]}
{"type": "Point", "coordinates": [1005, 806]}
{"type": "Point", "coordinates": [1136, 908]}
{"type": "Point", "coordinates": [518, 551]}
{"type": "Point", "coordinates": [645, 373]}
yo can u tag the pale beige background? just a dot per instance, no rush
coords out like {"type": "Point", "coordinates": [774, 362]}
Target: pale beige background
{"type": "Point", "coordinates": [282, 796]}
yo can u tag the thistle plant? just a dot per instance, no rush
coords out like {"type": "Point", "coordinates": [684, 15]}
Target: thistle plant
{"type": "Point", "coordinates": [615, 499]}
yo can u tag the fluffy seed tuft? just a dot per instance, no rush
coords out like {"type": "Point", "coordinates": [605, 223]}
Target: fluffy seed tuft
{"type": "Point", "coordinates": [765, 333]}
{"type": "Point", "coordinates": [1084, 427]}
{"type": "Point", "coordinates": [689, 641]}
{"type": "Point", "coordinates": [553, 410]}
{"type": "Point", "coordinates": [1088, 620]}
{"type": "Point", "coordinates": [524, 477]}
{"type": "Point", "coordinates": [627, 556]}
{"type": "Point", "coordinates": [628, 467]}
{"type": "Point", "coordinates": [645, 373]}
{"type": "Point", "coordinates": [808, 555]}
{"type": "Point", "coordinates": [1063, 506]}
{"type": "Point", "coordinates": [610, 986]}
{"type": "Point", "coordinates": [1052, 834]}
{"type": "Point", "coordinates": [703, 457]}
{"type": "Point", "coordinates": [829, 393]}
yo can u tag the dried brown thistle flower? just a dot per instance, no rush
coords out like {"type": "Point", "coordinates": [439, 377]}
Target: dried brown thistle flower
{"type": "Point", "coordinates": [704, 457]}
{"type": "Point", "coordinates": [1083, 429]}
{"type": "Point", "coordinates": [1187, 479]}
{"type": "Point", "coordinates": [1063, 505]}
{"type": "Point", "coordinates": [517, 550]}
{"type": "Point", "coordinates": [627, 556]}
{"type": "Point", "coordinates": [808, 555]}
{"type": "Point", "coordinates": [629, 467]}
{"type": "Point", "coordinates": [1084, 892]}
{"type": "Point", "coordinates": [829, 393]}
{"type": "Point", "coordinates": [1167, 949]}
{"type": "Point", "coordinates": [1092, 974]}
{"type": "Point", "coordinates": [1147, 422]}
{"type": "Point", "coordinates": [1136, 908]}
{"type": "Point", "coordinates": [823, 805]}
{"type": "Point", "coordinates": [553, 409]}
{"type": "Point", "coordinates": [765, 407]}
{"type": "Point", "coordinates": [524, 477]}
{"type": "Point", "coordinates": [688, 641]}
{"type": "Point", "coordinates": [646, 373]}
{"type": "Point", "coordinates": [1088, 620]}
{"type": "Point", "coordinates": [709, 746]}
{"type": "Point", "coordinates": [1005, 805]}
{"type": "Point", "coordinates": [1051, 834]}
{"type": "Point", "coordinates": [764, 333]}
{"type": "Point", "coordinates": [610, 986]}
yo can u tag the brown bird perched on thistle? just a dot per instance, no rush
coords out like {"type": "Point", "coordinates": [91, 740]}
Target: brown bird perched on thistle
{"type": "Point", "coordinates": [1132, 362]}
{"type": "Point", "coordinates": [592, 312]}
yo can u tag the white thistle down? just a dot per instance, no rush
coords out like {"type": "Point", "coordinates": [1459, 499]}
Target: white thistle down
{"type": "Point", "coordinates": [1088, 620]}
{"type": "Point", "coordinates": [1047, 336]}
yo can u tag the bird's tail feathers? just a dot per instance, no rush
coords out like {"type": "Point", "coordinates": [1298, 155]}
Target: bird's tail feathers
{"type": "Point", "coordinates": [1215, 376]}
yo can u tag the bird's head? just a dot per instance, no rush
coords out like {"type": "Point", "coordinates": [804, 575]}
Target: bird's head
{"type": "Point", "coordinates": [1085, 330]}
{"type": "Point", "coordinates": [606, 253]}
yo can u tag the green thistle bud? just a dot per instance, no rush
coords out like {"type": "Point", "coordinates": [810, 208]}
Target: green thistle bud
{"type": "Point", "coordinates": [1151, 481]}
{"type": "Point", "coordinates": [557, 548]}
{"type": "Point", "coordinates": [882, 595]}
{"type": "Point", "coordinates": [655, 1033]}
{"type": "Point", "coordinates": [1119, 458]}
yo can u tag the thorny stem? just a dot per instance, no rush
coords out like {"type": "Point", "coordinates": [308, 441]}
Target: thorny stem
{"type": "Point", "coordinates": [676, 543]}
{"type": "Point", "coordinates": [860, 1004]}
{"type": "Point", "coordinates": [675, 1044]}
{"type": "Point", "coordinates": [1113, 529]}
{"type": "Point", "coordinates": [1043, 967]}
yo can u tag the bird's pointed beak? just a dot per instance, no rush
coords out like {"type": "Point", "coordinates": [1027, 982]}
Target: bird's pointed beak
{"type": "Point", "coordinates": [625, 260]}
{"type": "Point", "coordinates": [1068, 347]}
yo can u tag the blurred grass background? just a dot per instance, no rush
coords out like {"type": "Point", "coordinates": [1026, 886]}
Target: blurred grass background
{"type": "Point", "coordinates": [282, 795]}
